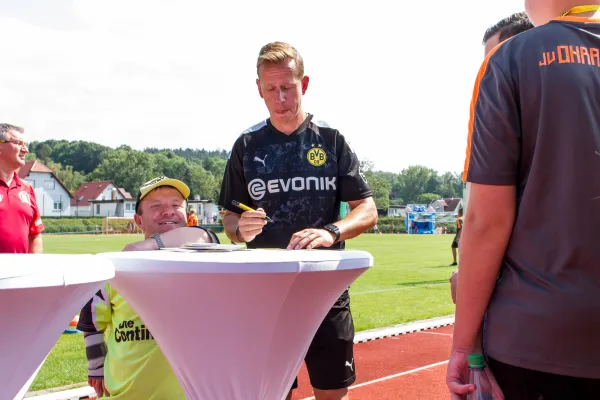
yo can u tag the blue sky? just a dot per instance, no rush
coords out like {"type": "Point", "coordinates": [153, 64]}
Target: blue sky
{"type": "Point", "coordinates": [397, 82]}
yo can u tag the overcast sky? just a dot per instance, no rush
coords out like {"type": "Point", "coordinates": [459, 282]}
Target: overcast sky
{"type": "Point", "coordinates": [397, 82]}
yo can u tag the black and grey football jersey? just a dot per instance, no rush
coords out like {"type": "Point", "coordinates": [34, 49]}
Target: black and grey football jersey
{"type": "Point", "coordinates": [298, 179]}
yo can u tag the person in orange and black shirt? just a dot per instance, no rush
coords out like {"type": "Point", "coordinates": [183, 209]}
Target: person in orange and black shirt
{"type": "Point", "coordinates": [20, 222]}
{"type": "Point", "coordinates": [494, 35]}
{"type": "Point", "coordinates": [455, 242]}
{"type": "Point", "coordinates": [192, 219]}
{"type": "Point", "coordinates": [532, 273]}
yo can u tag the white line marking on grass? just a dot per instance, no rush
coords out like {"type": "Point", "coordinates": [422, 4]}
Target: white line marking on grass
{"type": "Point", "coordinates": [385, 378]}
{"type": "Point", "coordinates": [400, 288]}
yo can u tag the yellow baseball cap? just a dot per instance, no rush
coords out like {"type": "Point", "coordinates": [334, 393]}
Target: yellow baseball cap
{"type": "Point", "coordinates": [161, 181]}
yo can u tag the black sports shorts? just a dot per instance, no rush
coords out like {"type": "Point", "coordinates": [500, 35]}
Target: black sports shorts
{"type": "Point", "coordinates": [330, 356]}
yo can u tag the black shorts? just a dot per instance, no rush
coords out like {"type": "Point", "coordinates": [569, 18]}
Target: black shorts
{"type": "Point", "coordinates": [525, 384]}
{"type": "Point", "coordinates": [456, 240]}
{"type": "Point", "coordinates": [330, 356]}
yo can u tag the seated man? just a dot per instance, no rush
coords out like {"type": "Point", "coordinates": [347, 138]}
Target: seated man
{"type": "Point", "coordinates": [137, 369]}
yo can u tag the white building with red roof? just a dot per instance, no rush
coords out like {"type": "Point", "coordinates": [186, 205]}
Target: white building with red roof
{"type": "Point", "coordinates": [52, 196]}
{"type": "Point", "coordinates": [102, 199]}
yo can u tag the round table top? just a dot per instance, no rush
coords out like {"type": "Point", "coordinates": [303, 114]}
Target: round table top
{"type": "Point", "coordinates": [24, 271]}
{"type": "Point", "coordinates": [241, 261]}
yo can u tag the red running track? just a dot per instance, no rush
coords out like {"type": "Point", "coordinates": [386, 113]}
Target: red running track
{"type": "Point", "coordinates": [410, 366]}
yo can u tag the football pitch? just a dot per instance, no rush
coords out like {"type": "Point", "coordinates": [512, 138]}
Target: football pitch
{"type": "Point", "coordinates": [408, 282]}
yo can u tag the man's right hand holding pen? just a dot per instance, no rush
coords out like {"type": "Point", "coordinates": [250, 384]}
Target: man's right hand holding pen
{"type": "Point", "coordinates": [250, 225]}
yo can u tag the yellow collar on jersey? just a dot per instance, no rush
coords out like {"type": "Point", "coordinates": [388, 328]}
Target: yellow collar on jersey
{"type": "Point", "coordinates": [581, 9]}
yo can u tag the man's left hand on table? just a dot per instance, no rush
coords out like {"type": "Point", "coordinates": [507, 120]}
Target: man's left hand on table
{"type": "Point", "coordinates": [311, 239]}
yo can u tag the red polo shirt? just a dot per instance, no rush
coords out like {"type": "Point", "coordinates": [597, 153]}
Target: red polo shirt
{"type": "Point", "coordinates": [19, 216]}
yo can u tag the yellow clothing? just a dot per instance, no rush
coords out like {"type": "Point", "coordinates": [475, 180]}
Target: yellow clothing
{"type": "Point", "coordinates": [135, 368]}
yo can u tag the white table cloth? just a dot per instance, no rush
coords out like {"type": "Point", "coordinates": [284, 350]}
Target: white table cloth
{"type": "Point", "coordinates": [237, 325]}
{"type": "Point", "coordinates": [39, 295]}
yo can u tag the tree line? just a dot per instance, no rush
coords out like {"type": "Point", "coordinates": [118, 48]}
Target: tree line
{"type": "Point", "coordinates": [416, 184]}
{"type": "Point", "coordinates": [75, 162]}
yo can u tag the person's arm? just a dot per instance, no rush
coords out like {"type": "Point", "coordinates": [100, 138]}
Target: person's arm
{"type": "Point", "coordinates": [35, 244]}
{"type": "Point", "coordinates": [234, 187]}
{"type": "Point", "coordinates": [483, 244]}
{"type": "Point", "coordinates": [453, 284]}
{"type": "Point", "coordinates": [353, 189]}
{"type": "Point", "coordinates": [242, 228]}
{"type": "Point", "coordinates": [36, 228]}
{"type": "Point", "coordinates": [172, 238]}
{"type": "Point", "coordinates": [492, 171]}
{"type": "Point", "coordinates": [94, 318]}
{"type": "Point", "coordinates": [362, 216]}
{"type": "Point", "coordinates": [230, 224]}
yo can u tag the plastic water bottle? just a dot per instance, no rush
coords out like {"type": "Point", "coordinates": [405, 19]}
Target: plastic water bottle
{"type": "Point", "coordinates": [477, 377]}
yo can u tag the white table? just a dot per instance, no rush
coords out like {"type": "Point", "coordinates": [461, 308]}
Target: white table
{"type": "Point", "coordinates": [235, 325]}
{"type": "Point", "coordinates": [39, 295]}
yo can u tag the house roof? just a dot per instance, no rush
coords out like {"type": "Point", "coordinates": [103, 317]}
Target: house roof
{"type": "Point", "coordinates": [33, 166]}
{"type": "Point", "coordinates": [36, 166]}
{"type": "Point", "coordinates": [452, 204]}
{"type": "Point", "coordinates": [125, 194]}
{"type": "Point", "coordinates": [89, 191]}
{"type": "Point", "coordinates": [111, 201]}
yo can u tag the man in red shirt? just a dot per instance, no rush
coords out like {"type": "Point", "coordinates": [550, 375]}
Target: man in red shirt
{"type": "Point", "coordinates": [20, 223]}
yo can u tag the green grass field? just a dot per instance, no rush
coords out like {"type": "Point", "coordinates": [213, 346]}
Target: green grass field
{"type": "Point", "coordinates": [408, 282]}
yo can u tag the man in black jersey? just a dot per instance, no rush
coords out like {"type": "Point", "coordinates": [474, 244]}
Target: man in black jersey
{"type": "Point", "coordinates": [297, 170]}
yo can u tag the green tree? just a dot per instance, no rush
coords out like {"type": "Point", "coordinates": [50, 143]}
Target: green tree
{"type": "Point", "coordinates": [433, 184]}
{"type": "Point", "coordinates": [81, 155]}
{"type": "Point", "coordinates": [71, 179]}
{"type": "Point", "coordinates": [450, 185]}
{"type": "Point", "coordinates": [414, 181]}
{"type": "Point", "coordinates": [44, 152]}
{"type": "Point", "coordinates": [216, 166]}
{"type": "Point", "coordinates": [381, 190]}
{"type": "Point", "coordinates": [379, 185]}
{"type": "Point", "coordinates": [171, 165]}
{"type": "Point", "coordinates": [127, 169]}
{"type": "Point", "coordinates": [203, 183]}
{"type": "Point", "coordinates": [427, 198]}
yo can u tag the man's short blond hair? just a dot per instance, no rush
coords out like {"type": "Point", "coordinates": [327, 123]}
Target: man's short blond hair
{"type": "Point", "coordinates": [278, 52]}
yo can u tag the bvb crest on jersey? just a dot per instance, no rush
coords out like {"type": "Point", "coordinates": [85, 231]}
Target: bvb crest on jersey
{"type": "Point", "coordinates": [316, 156]}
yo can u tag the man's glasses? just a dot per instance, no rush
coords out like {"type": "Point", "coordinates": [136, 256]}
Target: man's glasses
{"type": "Point", "coordinates": [15, 141]}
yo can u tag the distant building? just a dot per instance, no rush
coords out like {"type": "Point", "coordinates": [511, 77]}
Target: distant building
{"type": "Point", "coordinates": [447, 205]}
{"type": "Point", "coordinates": [52, 196]}
{"type": "Point", "coordinates": [102, 199]}
{"type": "Point", "coordinates": [396, 211]}
{"type": "Point", "coordinates": [206, 210]}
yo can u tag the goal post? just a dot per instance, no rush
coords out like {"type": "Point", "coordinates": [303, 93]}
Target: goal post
{"type": "Point", "coordinates": [119, 225]}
